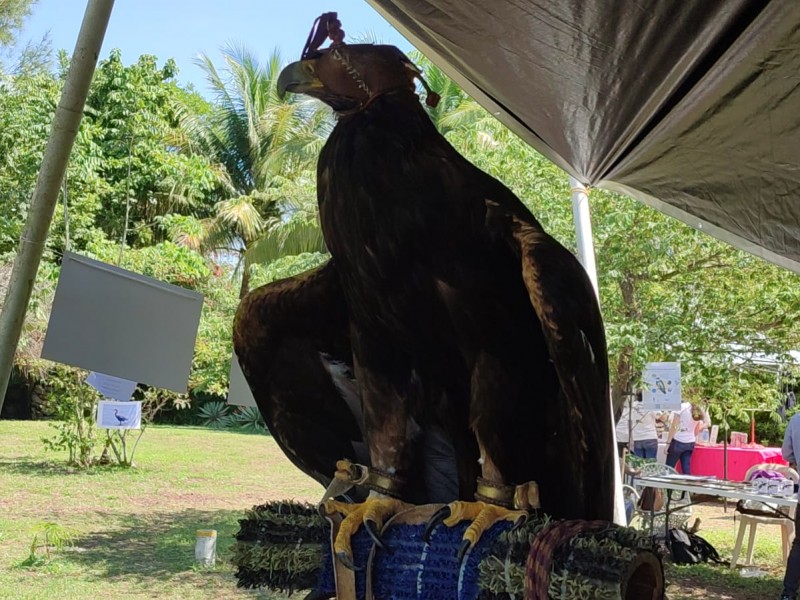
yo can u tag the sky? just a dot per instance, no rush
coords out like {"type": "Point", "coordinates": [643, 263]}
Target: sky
{"type": "Point", "coordinates": [181, 29]}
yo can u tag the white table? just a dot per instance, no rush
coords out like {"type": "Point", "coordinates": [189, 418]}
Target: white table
{"type": "Point", "coordinates": [709, 486]}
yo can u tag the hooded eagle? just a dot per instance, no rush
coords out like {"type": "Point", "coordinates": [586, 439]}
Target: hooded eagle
{"type": "Point", "coordinates": [450, 345]}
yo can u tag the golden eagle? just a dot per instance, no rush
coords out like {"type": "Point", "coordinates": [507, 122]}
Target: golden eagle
{"type": "Point", "coordinates": [450, 343]}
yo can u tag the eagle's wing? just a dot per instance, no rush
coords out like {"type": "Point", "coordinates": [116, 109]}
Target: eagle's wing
{"type": "Point", "coordinates": [291, 340]}
{"type": "Point", "coordinates": [565, 303]}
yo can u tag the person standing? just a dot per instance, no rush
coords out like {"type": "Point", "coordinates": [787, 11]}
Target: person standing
{"type": "Point", "coordinates": [645, 436]}
{"type": "Point", "coordinates": [791, 446]}
{"type": "Point", "coordinates": [686, 424]}
{"type": "Point", "coordinates": [640, 427]}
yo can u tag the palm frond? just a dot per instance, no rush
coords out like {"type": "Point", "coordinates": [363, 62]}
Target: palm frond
{"type": "Point", "coordinates": [241, 216]}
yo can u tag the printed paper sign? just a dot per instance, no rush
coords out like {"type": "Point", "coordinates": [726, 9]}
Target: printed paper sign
{"type": "Point", "coordinates": [661, 382]}
{"type": "Point", "coordinates": [119, 415]}
{"type": "Point", "coordinates": [112, 387]}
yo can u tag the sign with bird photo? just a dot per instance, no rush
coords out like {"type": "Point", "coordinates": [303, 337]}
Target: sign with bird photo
{"type": "Point", "coordinates": [119, 415]}
{"type": "Point", "coordinates": [661, 383]}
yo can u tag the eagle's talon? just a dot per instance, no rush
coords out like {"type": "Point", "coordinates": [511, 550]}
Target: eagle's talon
{"type": "Point", "coordinates": [438, 517]}
{"type": "Point", "coordinates": [345, 559]}
{"type": "Point", "coordinates": [462, 551]}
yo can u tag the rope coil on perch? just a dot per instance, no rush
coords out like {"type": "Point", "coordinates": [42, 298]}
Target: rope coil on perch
{"type": "Point", "coordinates": [286, 546]}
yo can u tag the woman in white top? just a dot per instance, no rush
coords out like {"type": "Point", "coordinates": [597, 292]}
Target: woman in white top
{"type": "Point", "coordinates": [686, 424]}
{"type": "Point", "coordinates": [643, 427]}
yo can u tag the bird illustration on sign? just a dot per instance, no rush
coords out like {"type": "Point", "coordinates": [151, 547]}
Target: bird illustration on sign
{"type": "Point", "coordinates": [661, 386]}
{"type": "Point", "coordinates": [122, 419]}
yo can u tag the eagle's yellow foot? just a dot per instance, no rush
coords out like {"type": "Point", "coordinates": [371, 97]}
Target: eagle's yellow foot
{"type": "Point", "coordinates": [482, 514]}
{"type": "Point", "coordinates": [372, 514]}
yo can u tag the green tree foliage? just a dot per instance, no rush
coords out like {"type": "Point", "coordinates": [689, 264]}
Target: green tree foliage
{"type": "Point", "coordinates": [27, 105]}
{"type": "Point", "coordinates": [671, 292]}
{"type": "Point", "coordinates": [164, 261]}
{"type": "Point", "coordinates": [146, 159]}
{"type": "Point", "coordinates": [130, 156]}
{"type": "Point", "coordinates": [15, 57]}
{"type": "Point", "coordinates": [262, 143]}
{"type": "Point", "coordinates": [12, 15]}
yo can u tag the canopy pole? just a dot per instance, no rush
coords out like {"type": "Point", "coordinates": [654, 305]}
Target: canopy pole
{"type": "Point", "coordinates": [583, 230]}
{"type": "Point", "coordinates": [51, 174]}
{"type": "Point", "coordinates": [583, 233]}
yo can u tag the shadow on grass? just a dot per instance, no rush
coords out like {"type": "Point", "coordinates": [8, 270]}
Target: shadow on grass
{"type": "Point", "coordinates": [44, 468]}
{"type": "Point", "coordinates": [209, 429]}
{"type": "Point", "coordinates": [718, 581]}
{"type": "Point", "coordinates": [153, 546]}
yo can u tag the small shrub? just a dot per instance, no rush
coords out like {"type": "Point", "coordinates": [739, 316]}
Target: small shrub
{"type": "Point", "coordinates": [48, 538]}
{"type": "Point", "coordinates": [249, 417]}
{"type": "Point", "coordinates": [75, 404]}
{"type": "Point", "coordinates": [215, 414]}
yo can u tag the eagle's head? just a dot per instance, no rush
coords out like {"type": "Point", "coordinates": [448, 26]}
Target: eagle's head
{"type": "Point", "coordinates": [348, 77]}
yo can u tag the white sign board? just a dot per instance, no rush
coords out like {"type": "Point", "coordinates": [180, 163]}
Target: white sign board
{"type": "Point", "coordinates": [239, 393]}
{"type": "Point", "coordinates": [661, 383]}
{"type": "Point", "coordinates": [119, 415]}
{"type": "Point", "coordinates": [123, 324]}
{"type": "Point", "coordinates": [112, 387]}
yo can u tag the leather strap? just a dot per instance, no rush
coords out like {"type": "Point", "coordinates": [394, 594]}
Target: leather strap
{"type": "Point", "coordinates": [344, 578]}
{"type": "Point", "coordinates": [354, 474]}
{"type": "Point", "coordinates": [521, 497]}
{"type": "Point", "coordinates": [495, 493]}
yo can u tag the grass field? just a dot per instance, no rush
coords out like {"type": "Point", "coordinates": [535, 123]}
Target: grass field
{"type": "Point", "coordinates": [136, 528]}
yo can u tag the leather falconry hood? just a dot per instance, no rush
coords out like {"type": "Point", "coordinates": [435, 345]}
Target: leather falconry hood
{"type": "Point", "coordinates": [348, 77]}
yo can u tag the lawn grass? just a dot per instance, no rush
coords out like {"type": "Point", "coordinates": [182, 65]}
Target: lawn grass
{"type": "Point", "coordinates": [136, 528]}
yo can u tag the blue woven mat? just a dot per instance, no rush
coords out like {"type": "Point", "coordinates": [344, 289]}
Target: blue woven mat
{"type": "Point", "coordinates": [410, 569]}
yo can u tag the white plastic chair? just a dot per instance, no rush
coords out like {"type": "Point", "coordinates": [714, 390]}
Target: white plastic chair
{"type": "Point", "coordinates": [753, 521]}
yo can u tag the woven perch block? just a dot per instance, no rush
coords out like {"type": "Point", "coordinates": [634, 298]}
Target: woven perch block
{"type": "Point", "coordinates": [286, 546]}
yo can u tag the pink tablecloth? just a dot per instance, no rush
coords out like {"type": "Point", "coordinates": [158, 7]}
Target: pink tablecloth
{"type": "Point", "coordinates": [708, 460]}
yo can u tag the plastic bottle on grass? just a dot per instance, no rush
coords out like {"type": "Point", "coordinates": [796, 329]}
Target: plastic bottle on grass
{"type": "Point", "coordinates": [205, 548]}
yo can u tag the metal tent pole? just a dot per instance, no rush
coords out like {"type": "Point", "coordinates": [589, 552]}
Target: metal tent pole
{"type": "Point", "coordinates": [54, 163]}
{"type": "Point", "coordinates": [583, 232]}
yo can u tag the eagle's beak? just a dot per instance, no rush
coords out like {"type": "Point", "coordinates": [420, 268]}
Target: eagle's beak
{"type": "Point", "coordinates": [299, 77]}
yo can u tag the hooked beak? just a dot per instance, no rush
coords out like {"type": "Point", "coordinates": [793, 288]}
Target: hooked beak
{"type": "Point", "coordinates": [298, 78]}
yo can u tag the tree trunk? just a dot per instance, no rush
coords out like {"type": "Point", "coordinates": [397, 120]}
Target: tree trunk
{"type": "Point", "coordinates": [624, 373]}
{"type": "Point", "coordinates": [243, 291]}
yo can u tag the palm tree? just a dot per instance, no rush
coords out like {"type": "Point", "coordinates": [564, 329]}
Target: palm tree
{"type": "Point", "coordinates": [263, 146]}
